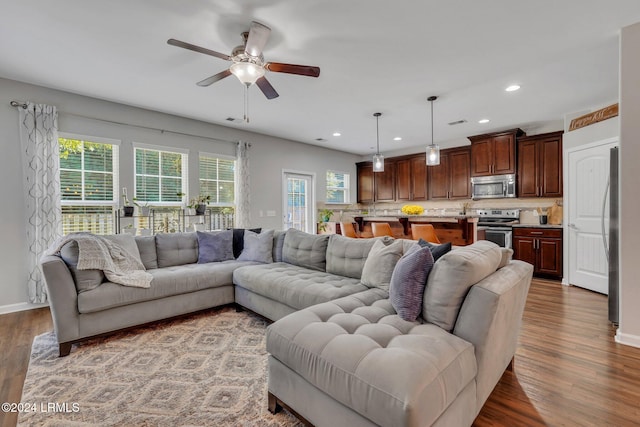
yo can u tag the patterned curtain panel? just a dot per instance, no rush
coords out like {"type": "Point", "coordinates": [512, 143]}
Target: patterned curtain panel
{"type": "Point", "coordinates": [41, 176]}
{"type": "Point", "coordinates": [243, 203]}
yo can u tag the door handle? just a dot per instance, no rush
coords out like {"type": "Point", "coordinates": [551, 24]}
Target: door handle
{"type": "Point", "coordinates": [604, 236]}
{"type": "Point", "coordinates": [573, 226]}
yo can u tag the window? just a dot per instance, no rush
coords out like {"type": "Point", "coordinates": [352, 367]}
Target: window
{"type": "Point", "coordinates": [88, 182]}
{"type": "Point", "coordinates": [217, 179]}
{"type": "Point", "coordinates": [337, 187]}
{"type": "Point", "coordinates": [160, 176]}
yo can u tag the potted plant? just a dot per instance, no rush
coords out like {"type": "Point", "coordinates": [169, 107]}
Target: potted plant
{"type": "Point", "coordinates": [201, 203]}
{"type": "Point", "coordinates": [143, 207]}
{"type": "Point", "coordinates": [325, 215]}
{"type": "Point", "coordinates": [127, 208]}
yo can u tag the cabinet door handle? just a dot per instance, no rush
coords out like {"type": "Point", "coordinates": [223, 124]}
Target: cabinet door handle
{"type": "Point", "coordinates": [536, 232]}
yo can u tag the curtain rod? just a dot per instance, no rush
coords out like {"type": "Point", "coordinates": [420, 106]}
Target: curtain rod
{"type": "Point", "coordinates": [24, 105]}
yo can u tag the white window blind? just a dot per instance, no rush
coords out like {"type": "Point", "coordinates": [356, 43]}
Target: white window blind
{"type": "Point", "coordinates": [160, 176]}
{"type": "Point", "coordinates": [337, 187]}
{"type": "Point", "coordinates": [88, 182]}
{"type": "Point", "coordinates": [217, 179]}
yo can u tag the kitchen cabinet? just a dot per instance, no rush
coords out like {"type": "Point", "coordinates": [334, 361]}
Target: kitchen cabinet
{"type": "Point", "coordinates": [451, 179]}
{"type": "Point", "coordinates": [540, 165]}
{"type": "Point", "coordinates": [411, 178]}
{"type": "Point", "coordinates": [540, 247]}
{"type": "Point", "coordinates": [494, 154]}
{"type": "Point", "coordinates": [376, 186]}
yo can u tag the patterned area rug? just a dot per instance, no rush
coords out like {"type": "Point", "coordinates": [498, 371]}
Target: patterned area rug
{"type": "Point", "coordinates": [207, 369]}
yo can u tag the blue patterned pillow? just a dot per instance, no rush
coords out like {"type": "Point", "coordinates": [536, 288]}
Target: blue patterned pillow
{"type": "Point", "coordinates": [408, 280]}
{"type": "Point", "coordinates": [215, 246]}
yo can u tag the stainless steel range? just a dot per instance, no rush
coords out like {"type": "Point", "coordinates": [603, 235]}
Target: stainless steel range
{"type": "Point", "coordinates": [497, 224]}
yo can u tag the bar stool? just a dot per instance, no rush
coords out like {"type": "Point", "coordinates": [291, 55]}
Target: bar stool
{"type": "Point", "coordinates": [425, 232]}
{"type": "Point", "coordinates": [381, 229]}
{"type": "Point", "coordinates": [348, 230]}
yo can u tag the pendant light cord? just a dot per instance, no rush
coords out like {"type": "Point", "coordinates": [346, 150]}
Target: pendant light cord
{"type": "Point", "coordinates": [377, 116]}
{"type": "Point", "coordinates": [431, 121]}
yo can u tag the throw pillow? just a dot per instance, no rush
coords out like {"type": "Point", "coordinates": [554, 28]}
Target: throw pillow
{"type": "Point", "coordinates": [408, 280]}
{"type": "Point", "coordinates": [257, 247]}
{"type": "Point", "coordinates": [127, 242]}
{"type": "Point", "coordinates": [507, 254]}
{"type": "Point", "coordinates": [238, 239]}
{"type": "Point", "coordinates": [436, 250]}
{"type": "Point", "coordinates": [215, 246]}
{"type": "Point", "coordinates": [380, 263]}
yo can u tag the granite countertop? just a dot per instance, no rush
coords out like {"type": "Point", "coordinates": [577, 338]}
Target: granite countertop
{"type": "Point", "coordinates": [534, 225]}
{"type": "Point", "coordinates": [440, 218]}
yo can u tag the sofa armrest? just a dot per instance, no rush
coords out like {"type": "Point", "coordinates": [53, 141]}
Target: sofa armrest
{"type": "Point", "coordinates": [490, 319]}
{"type": "Point", "coordinates": [63, 297]}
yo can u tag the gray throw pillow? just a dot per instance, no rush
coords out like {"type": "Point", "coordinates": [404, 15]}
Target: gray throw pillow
{"type": "Point", "coordinates": [380, 263]}
{"type": "Point", "coordinates": [257, 247]}
{"type": "Point", "coordinates": [437, 250]}
{"type": "Point", "coordinates": [85, 280]}
{"type": "Point", "coordinates": [215, 246]}
{"type": "Point", "coordinates": [406, 290]}
{"type": "Point", "coordinates": [238, 239]}
{"type": "Point", "coordinates": [127, 242]}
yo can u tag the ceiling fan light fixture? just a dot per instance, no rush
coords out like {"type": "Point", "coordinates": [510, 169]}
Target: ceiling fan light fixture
{"type": "Point", "coordinates": [247, 72]}
{"type": "Point", "coordinates": [433, 150]}
{"type": "Point", "coordinates": [378, 159]}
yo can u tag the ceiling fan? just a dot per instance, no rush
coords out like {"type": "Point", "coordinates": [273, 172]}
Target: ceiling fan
{"type": "Point", "coordinates": [248, 62]}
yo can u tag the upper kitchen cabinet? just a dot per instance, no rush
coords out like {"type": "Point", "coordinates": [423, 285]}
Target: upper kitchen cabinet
{"type": "Point", "coordinates": [376, 186]}
{"type": "Point", "coordinates": [411, 178]}
{"type": "Point", "coordinates": [494, 153]}
{"type": "Point", "coordinates": [365, 182]}
{"type": "Point", "coordinates": [451, 178]}
{"type": "Point", "coordinates": [540, 165]}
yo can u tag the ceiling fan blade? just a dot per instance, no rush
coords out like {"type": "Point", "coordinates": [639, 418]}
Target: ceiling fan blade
{"type": "Point", "coordinates": [266, 88]}
{"type": "Point", "coordinates": [303, 70]}
{"type": "Point", "coordinates": [211, 80]}
{"type": "Point", "coordinates": [193, 47]}
{"type": "Point", "coordinates": [258, 36]}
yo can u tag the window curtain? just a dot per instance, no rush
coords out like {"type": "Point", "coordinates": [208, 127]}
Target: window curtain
{"type": "Point", "coordinates": [41, 178]}
{"type": "Point", "coordinates": [243, 203]}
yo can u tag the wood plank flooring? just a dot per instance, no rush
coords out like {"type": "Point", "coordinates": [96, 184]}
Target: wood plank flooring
{"type": "Point", "coordinates": [568, 369]}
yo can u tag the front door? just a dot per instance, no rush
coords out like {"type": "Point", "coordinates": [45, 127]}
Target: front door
{"type": "Point", "coordinates": [298, 202]}
{"type": "Point", "coordinates": [587, 202]}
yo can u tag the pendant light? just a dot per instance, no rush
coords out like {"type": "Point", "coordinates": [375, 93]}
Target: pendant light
{"type": "Point", "coordinates": [378, 159]}
{"type": "Point", "coordinates": [433, 150]}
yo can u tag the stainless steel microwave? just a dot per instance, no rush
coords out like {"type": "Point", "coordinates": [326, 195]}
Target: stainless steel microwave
{"type": "Point", "coordinates": [493, 187]}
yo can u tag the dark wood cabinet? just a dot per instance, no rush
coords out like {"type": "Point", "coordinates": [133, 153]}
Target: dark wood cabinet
{"type": "Point", "coordinates": [540, 247]}
{"type": "Point", "coordinates": [365, 182]}
{"type": "Point", "coordinates": [376, 186]}
{"type": "Point", "coordinates": [540, 165]}
{"type": "Point", "coordinates": [411, 178]}
{"type": "Point", "coordinates": [494, 154]}
{"type": "Point", "coordinates": [451, 179]}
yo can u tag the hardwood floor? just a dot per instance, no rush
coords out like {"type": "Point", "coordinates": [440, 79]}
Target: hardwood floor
{"type": "Point", "coordinates": [568, 369]}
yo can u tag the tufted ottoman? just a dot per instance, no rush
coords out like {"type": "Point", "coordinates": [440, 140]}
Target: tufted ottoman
{"type": "Point", "coordinates": [353, 361]}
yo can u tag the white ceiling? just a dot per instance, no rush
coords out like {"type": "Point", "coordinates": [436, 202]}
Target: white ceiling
{"type": "Point", "coordinates": [374, 55]}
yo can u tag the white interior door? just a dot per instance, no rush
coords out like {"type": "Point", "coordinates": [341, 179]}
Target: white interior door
{"type": "Point", "coordinates": [588, 179]}
{"type": "Point", "coordinates": [298, 202]}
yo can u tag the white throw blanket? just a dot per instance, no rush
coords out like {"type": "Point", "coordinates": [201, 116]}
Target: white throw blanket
{"type": "Point", "coordinates": [96, 252]}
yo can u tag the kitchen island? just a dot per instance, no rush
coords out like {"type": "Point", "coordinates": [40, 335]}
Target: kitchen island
{"type": "Point", "coordinates": [460, 230]}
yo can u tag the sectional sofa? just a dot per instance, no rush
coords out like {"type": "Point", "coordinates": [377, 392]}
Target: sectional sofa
{"type": "Point", "coordinates": [340, 352]}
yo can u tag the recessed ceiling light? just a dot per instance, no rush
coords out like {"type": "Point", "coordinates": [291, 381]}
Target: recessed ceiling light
{"type": "Point", "coordinates": [337, 134]}
{"type": "Point", "coordinates": [397, 138]}
{"type": "Point", "coordinates": [483, 121]}
{"type": "Point", "coordinates": [512, 88]}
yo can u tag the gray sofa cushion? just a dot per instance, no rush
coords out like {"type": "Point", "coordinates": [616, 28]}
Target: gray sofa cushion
{"type": "Point", "coordinates": [359, 352]}
{"type": "Point", "coordinates": [176, 249]}
{"type": "Point", "coordinates": [257, 247]}
{"type": "Point", "coordinates": [278, 244]}
{"type": "Point", "coordinates": [85, 280]}
{"type": "Point", "coordinates": [451, 278]}
{"type": "Point", "coordinates": [380, 263]}
{"type": "Point", "coordinates": [346, 256]}
{"type": "Point", "coordinates": [147, 249]}
{"type": "Point", "coordinates": [295, 286]}
{"type": "Point", "coordinates": [215, 246]}
{"type": "Point", "coordinates": [305, 250]}
{"type": "Point", "coordinates": [166, 282]}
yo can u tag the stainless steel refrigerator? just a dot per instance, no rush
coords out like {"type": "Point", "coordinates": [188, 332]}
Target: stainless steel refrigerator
{"type": "Point", "coordinates": [611, 246]}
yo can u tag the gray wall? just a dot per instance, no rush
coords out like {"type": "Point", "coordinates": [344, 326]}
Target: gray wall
{"type": "Point", "coordinates": [629, 331]}
{"type": "Point", "coordinates": [268, 157]}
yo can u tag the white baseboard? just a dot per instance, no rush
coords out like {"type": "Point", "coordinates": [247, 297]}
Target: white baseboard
{"type": "Point", "coordinates": [22, 306]}
{"type": "Point", "coordinates": [627, 339]}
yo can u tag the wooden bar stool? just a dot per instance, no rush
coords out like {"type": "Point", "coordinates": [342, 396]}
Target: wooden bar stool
{"type": "Point", "coordinates": [425, 232]}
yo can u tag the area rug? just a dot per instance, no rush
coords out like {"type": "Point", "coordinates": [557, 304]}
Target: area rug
{"type": "Point", "coordinates": [207, 369]}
